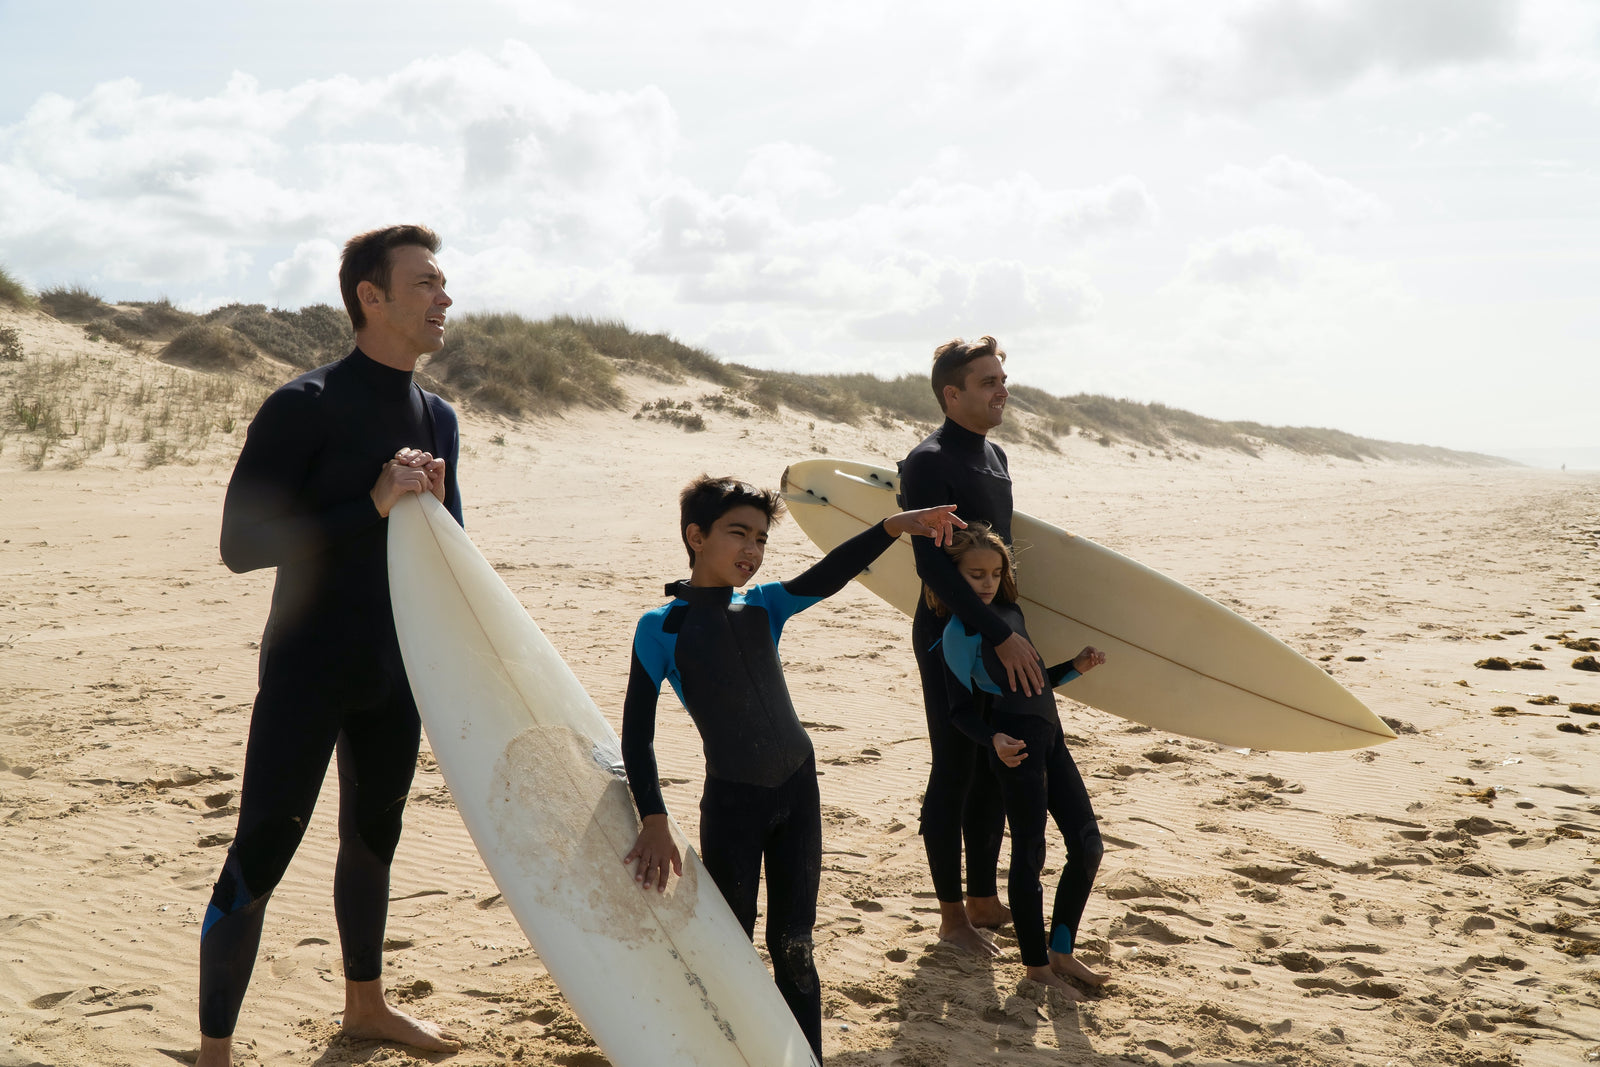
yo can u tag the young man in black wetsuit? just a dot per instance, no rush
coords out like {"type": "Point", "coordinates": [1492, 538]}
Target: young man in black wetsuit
{"type": "Point", "coordinates": [325, 459]}
{"type": "Point", "coordinates": [957, 464]}
{"type": "Point", "coordinates": [717, 644]}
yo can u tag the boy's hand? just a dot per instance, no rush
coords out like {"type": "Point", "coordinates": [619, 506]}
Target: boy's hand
{"type": "Point", "coordinates": [1009, 749]}
{"type": "Point", "coordinates": [656, 851]}
{"type": "Point", "coordinates": [1088, 659]}
{"type": "Point", "coordinates": [939, 523]}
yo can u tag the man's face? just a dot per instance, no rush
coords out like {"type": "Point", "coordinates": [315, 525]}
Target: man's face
{"type": "Point", "coordinates": [981, 404]}
{"type": "Point", "coordinates": [412, 312]}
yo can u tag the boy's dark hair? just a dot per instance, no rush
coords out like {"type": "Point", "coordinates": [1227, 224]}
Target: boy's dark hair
{"type": "Point", "coordinates": [978, 535]}
{"type": "Point", "coordinates": [951, 358]}
{"type": "Point", "coordinates": [706, 499]}
{"type": "Point", "coordinates": [366, 259]}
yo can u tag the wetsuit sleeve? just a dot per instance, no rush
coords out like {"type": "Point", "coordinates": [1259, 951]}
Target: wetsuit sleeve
{"type": "Point", "coordinates": [1062, 673]}
{"type": "Point", "coordinates": [447, 446]}
{"type": "Point", "coordinates": [639, 736]}
{"type": "Point", "coordinates": [920, 488]}
{"type": "Point", "coordinates": [962, 664]}
{"type": "Point", "coordinates": [833, 572]}
{"type": "Point", "coordinates": [262, 522]}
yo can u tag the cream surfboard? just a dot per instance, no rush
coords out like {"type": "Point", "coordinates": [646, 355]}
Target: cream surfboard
{"type": "Point", "coordinates": [1175, 659]}
{"type": "Point", "coordinates": [536, 772]}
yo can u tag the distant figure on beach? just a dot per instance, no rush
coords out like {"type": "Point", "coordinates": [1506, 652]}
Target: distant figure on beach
{"type": "Point", "coordinates": [958, 464]}
{"type": "Point", "coordinates": [325, 459]}
{"type": "Point", "coordinates": [1023, 740]}
{"type": "Point", "coordinates": [716, 642]}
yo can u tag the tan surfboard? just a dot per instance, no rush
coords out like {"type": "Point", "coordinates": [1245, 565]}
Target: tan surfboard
{"type": "Point", "coordinates": [1175, 659]}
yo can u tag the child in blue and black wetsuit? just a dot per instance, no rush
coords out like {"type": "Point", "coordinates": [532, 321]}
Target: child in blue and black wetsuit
{"type": "Point", "coordinates": [717, 643]}
{"type": "Point", "coordinates": [1036, 772]}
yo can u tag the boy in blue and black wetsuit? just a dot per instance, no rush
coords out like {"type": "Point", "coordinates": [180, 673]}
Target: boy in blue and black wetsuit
{"type": "Point", "coordinates": [717, 643]}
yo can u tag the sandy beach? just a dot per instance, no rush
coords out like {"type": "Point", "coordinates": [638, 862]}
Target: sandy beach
{"type": "Point", "coordinates": [1434, 900]}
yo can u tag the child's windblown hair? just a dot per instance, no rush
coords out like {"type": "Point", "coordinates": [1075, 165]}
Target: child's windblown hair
{"type": "Point", "coordinates": [979, 536]}
{"type": "Point", "coordinates": [706, 499]}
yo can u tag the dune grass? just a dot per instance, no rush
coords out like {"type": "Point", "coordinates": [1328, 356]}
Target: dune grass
{"type": "Point", "coordinates": [519, 367]}
{"type": "Point", "coordinates": [307, 338]}
{"type": "Point", "coordinates": [65, 412]}
{"type": "Point", "coordinates": [74, 303]}
{"type": "Point", "coordinates": [13, 293]}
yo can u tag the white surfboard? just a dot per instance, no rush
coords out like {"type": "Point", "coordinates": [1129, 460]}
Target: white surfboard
{"type": "Point", "coordinates": [1175, 659]}
{"type": "Point", "coordinates": [536, 773]}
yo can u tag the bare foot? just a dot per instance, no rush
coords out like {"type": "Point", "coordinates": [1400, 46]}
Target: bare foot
{"type": "Point", "coordinates": [215, 1052]}
{"type": "Point", "coordinates": [955, 929]}
{"type": "Point", "coordinates": [368, 1017]}
{"type": "Point", "coordinates": [1046, 976]}
{"type": "Point", "coordinates": [1071, 967]}
{"type": "Point", "coordinates": [987, 912]}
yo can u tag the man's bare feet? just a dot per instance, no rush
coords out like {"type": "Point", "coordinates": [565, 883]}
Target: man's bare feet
{"type": "Point", "coordinates": [215, 1052]}
{"type": "Point", "coordinates": [1046, 976]}
{"type": "Point", "coordinates": [369, 1017]}
{"type": "Point", "coordinates": [987, 913]}
{"type": "Point", "coordinates": [1069, 966]}
{"type": "Point", "coordinates": [956, 929]}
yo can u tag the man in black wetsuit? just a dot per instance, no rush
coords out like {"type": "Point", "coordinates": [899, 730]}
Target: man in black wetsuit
{"type": "Point", "coordinates": [325, 459]}
{"type": "Point", "coordinates": [716, 642]}
{"type": "Point", "coordinates": [957, 464]}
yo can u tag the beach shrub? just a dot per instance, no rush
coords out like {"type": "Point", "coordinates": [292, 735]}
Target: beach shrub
{"type": "Point", "coordinates": [10, 344]}
{"type": "Point", "coordinates": [307, 338]}
{"type": "Point", "coordinates": [515, 366]}
{"type": "Point", "coordinates": [13, 292]}
{"type": "Point", "coordinates": [205, 346]}
{"type": "Point", "coordinates": [74, 303]}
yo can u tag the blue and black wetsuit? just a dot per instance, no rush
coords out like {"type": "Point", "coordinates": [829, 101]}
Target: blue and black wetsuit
{"type": "Point", "coordinates": [331, 676]}
{"type": "Point", "coordinates": [1048, 780]}
{"type": "Point", "coordinates": [956, 466]}
{"type": "Point", "coordinates": [718, 647]}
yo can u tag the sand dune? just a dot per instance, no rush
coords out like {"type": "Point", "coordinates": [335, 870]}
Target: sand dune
{"type": "Point", "coordinates": [1435, 900]}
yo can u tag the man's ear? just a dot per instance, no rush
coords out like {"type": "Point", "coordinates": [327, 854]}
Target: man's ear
{"type": "Point", "coordinates": [951, 392]}
{"type": "Point", "coordinates": [369, 295]}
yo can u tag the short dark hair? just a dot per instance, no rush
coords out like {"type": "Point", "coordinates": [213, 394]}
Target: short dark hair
{"type": "Point", "coordinates": [706, 499]}
{"type": "Point", "coordinates": [977, 537]}
{"type": "Point", "coordinates": [366, 259]}
{"type": "Point", "coordinates": [951, 358]}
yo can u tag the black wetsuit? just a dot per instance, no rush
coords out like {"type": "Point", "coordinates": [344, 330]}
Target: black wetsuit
{"type": "Point", "coordinates": [331, 677]}
{"type": "Point", "coordinates": [1046, 781]}
{"type": "Point", "coordinates": [956, 466]}
{"type": "Point", "coordinates": [718, 647]}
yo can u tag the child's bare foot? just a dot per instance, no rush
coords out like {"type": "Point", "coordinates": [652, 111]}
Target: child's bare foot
{"type": "Point", "coordinates": [1046, 976]}
{"type": "Point", "coordinates": [1069, 966]}
{"type": "Point", "coordinates": [987, 912]}
{"type": "Point", "coordinates": [215, 1052]}
{"type": "Point", "coordinates": [956, 929]}
{"type": "Point", "coordinates": [369, 1017]}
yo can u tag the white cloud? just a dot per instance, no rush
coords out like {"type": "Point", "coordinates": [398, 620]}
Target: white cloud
{"type": "Point", "coordinates": [308, 276]}
{"type": "Point", "coordinates": [1284, 181]}
{"type": "Point", "coordinates": [1265, 49]}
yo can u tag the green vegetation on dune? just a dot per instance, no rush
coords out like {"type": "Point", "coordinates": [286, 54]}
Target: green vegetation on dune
{"type": "Point", "coordinates": [517, 366]}
{"type": "Point", "coordinates": [13, 293]}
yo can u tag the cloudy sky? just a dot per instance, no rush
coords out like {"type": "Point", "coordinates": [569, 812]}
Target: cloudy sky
{"type": "Point", "coordinates": [1374, 215]}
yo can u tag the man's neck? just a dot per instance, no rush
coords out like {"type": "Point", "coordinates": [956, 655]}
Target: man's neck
{"type": "Point", "coordinates": [376, 349]}
{"type": "Point", "coordinates": [980, 431]}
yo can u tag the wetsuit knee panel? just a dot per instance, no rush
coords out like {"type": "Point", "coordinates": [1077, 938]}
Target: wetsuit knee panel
{"type": "Point", "coordinates": [794, 953]}
{"type": "Point", "coordinates": [262, 853]}
{"type": "Point", "coordinates": [380, 830]}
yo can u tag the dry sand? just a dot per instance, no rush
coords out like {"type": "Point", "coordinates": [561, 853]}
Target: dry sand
{"type": "Point", "coordinates": [1435, 900]}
